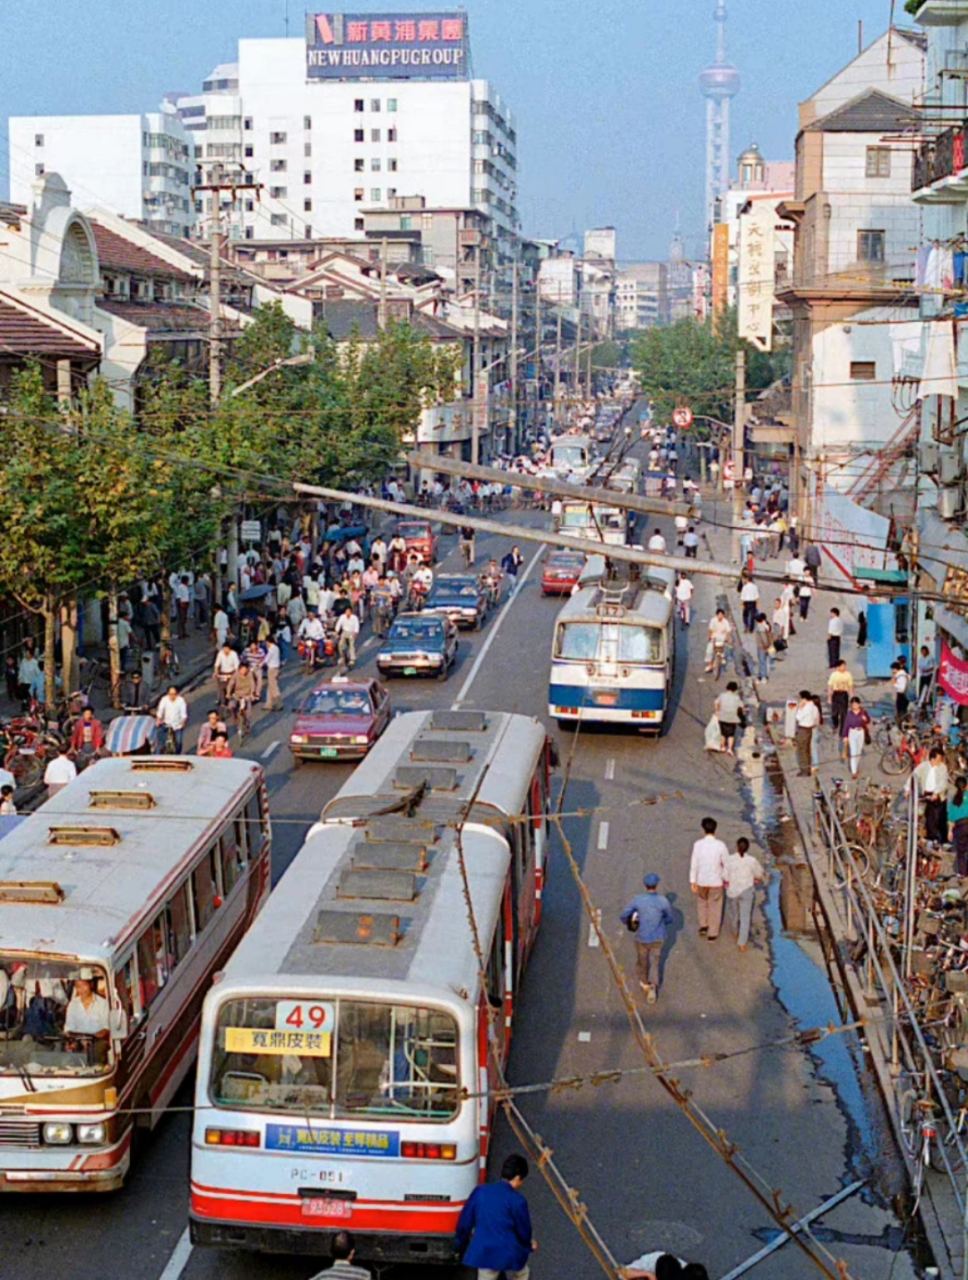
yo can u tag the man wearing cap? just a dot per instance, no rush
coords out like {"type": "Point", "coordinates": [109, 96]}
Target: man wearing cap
{"type": "Point", "coordinates": [87, 1013]}
{"type": "Point", "coordinates": [654, 915]}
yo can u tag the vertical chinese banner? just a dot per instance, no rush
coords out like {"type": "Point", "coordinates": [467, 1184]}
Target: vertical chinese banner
{"type": "Point", "coordinates": [720, 268]}
{"type": "Point", "coordinates": [756, 274]}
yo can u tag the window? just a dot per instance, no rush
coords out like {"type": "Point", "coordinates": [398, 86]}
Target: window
{"type": "Point", "coordinates": [374, 135]}
{"type": "Point", "coordinates": [232, 847]}
{"type": "Point", "coordinates": [406, 222]}
{"type": "Point", "coordinates": [374, 104]}
{"type": "Point", "coordinates": [247, 122]}
{"type": "Point", "coordinates": [307, 206]}
{"type": "Point", "coordinates": [357, 135]}
{"type": "Point", "coordinates": [249, 233]}
{"type": "Point", "coordinates": [248, 151]}
{"type": "Point", "coordinates": [277, 166]}
{"type": "Point", "coordinates": [198, 153]}
{"type": "Point", "coordinates": [391, 135]}
{"type": "Point", "coordinates": [358, 195]}
{"type": "Point", "coordinates": [278, 220]}
{"type": "Point", "coordinates": [391, 192]}
{"type": "Point", "coordinates": [359, 164]}
{"type": "Point", "coordinates": [277, 139]}
{"type": "Point", "coordinates": [249, 206]}
{"type": "Point", "coordinates": [307, 148]}
{"type": "Point", "coordinates": [870, 246]}
{"type": "Point", "coordinates": [358, 104]}
{"type": "Point", "coordinates": [391, 104]}
{"type": "Point", "coordinates": [358, 224]}
{"type": "Point", "coordinates": [375, 164]}
{"type": "Point", "coordinates": [392, 165]}
{"type": "Point", "coordinates": [39, 170]}
{"type": "Point", "coordinates": [152, 962]}
{"type": "Point", "coordinates": [375, 194]}
{"type": "Point", "coordinates": [863, 370]}
{"type": "Point", "coordinates": [38, 139]}
{"type": "Point", "coordinates": [125, 985]}
{"type": "Point", "coordinates": [255, 825]}
{"type": "Point", "coordinates": [278, 193]}
{"type": "Point", "coordinates": [878, 162]}
{"type": "Point", "coordinates": [307, 178]}
{"type": "Point", "coordinates": [179, 926]}
{"type": "Point", "coordinates": [204, 890]}
{"type": "Point", "coordinates": [308, 231]}
{"type": "Point", "coordinates": [307, 122]}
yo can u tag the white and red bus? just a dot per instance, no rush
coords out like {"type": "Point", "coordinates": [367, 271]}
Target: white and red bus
{"type": "Point", "coordinates": [347, 1050]}
{"type": "Point", "coordinates": [119, 899]}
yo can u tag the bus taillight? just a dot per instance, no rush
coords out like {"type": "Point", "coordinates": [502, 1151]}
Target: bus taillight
{"type": "Point", "coordinates": [428, 1151]}
{"type": "Point", "coordinates": [232, 1138]}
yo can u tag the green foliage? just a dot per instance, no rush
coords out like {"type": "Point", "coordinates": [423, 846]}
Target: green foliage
{"type": "Point", "coordinates": [697, 361]}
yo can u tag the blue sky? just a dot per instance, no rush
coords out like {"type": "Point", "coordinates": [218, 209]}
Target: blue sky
{"type": "Point", "coordinates": [610, 119]}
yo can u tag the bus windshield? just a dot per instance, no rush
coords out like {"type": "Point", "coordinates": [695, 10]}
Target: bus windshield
{"type": "Point", "coordinates": [608, 642]}
{"type": "Point", "coordinates": [373, 1059]}
{"type": "Point", "coordinates": [585, 517]}
{"type": "Point", "coordinates": [569, 455]}
{"type": "Point", "coordinates": [54, 1017]}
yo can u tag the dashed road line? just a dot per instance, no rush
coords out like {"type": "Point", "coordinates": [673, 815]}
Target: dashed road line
{"type": "Point", "coordinates": [610, 769]}
{"type": "Point", "coordinates": [179, 1259]}
{"type": "Point", "coordinates": [603, 835]}
{"type": "Point", "coordinates": [269, 750]}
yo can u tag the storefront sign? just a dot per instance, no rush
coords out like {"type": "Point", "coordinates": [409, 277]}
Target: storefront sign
{"type": "Point", "coordinates": [386, 46]}
{"type": "Point", "coordinates": [720, 268]}
{"type": "Point", "coordinates": [756, 287]}
{"type": "Point", "coordinates": [332, 1142]}
{"type": "Point", "coordinates": [953, 676]}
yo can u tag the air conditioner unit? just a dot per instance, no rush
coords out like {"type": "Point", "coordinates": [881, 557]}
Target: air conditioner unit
{"type": "Point", "coordinates": [928, 458]}
{"type": "Point", "coordinates": [950, 466]}
{"type": "Point", "coordinates": [950, 502]}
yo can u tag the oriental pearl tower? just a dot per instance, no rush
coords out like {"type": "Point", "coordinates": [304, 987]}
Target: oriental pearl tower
{"type": "Point", "coordinates": [719, 82]}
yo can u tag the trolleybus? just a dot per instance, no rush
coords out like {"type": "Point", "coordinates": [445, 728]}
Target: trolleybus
{"type": "Point", "coordinates": [119, 898]}
{"type": "Point", "coordinates": [348, 1048]}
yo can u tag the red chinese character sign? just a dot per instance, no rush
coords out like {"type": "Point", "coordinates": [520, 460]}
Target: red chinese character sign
{"type": "Point", "coordinates": [953, 676]}
{"type": "Point", "coordinates": [385, 46]}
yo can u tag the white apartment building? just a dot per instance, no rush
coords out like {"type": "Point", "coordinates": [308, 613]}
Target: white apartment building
{"type": "Point", "coordinates": [322, 151]}
{"type": "Point", "coordinates": [641, 296]}
{"type": "Point", "coordinates": [138, 166]}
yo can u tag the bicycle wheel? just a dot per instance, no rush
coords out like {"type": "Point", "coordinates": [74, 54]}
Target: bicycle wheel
{"type": "Point", "coordinates": [895, 762]}
{"type": "Point", "coordinates": [853, 860]}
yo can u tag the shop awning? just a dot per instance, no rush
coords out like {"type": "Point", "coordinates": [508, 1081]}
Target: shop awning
{"type": "Point", "coordinates": [883, 577]}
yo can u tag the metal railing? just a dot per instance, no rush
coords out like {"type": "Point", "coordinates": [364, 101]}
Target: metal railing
{"type": "Point", "coordinates": [883, 967]}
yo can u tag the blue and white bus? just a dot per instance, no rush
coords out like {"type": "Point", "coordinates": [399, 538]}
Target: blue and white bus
{"type": "Point", "coordinates": [613, 653]}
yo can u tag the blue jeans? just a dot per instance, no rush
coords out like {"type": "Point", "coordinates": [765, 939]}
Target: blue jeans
{"type": "Point", "coordinates": [161, 737]}
{"type": "Point", "coordinates": [763, 662]}
{"type": "Point", "coordinates": [283, 649]}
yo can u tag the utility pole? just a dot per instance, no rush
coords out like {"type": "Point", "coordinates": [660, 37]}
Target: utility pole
{"type": "Point", "coordinates": [513, 424]}
{"type": "Point", "coordinates": [739, 419]}
{"type": "Point", "coordinates": [476, 403]}
{"type": "Point", "coordinates": [538, 335]}
{"type": "Point", "coordinates": [578, 358]}
{"type": "Point", "coordinates": [382, 313]}
{"type": "Point", "coordinates": [558, 358]}
{"type": "Point", "coordinates": [589, 389]}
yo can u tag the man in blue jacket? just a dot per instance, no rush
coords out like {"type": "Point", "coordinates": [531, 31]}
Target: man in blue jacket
{"type": "Point", "coordinates": [494, 1228]}
{"type": "Point", "coordinates": [654, 917]}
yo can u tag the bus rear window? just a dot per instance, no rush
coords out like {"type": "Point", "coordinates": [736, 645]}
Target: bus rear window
{"type": "Point", "coordinates": [337, 1059]}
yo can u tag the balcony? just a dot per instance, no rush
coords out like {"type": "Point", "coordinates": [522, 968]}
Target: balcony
{"type": "Point", "coordinates": [938, 13]}
{"type": "Point", "coordinates": [940, 174]}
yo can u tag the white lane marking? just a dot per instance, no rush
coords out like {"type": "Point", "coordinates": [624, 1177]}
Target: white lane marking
{"type": "Point", "coordinates": [610, 769]}
{"type": "Point", "coordinates": [472, 674]}
{"type": "Point", "coordinates": [179, 1258]}
{"type": "Point", "coordinates": [603, 835]}
{"type": "Point", "coordinates": [269, 750]}
{"type": "Point", "coordinates": [593, 940]}
{"type": "Point", "coordinates": [369, 641]}
{"type": "Point", "coordinates": [584, 1037]}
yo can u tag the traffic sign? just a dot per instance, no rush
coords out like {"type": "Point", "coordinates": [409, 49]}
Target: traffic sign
{"type": "Point", "coordinates": [251, 531]}
{"type": "Point", "coordinates": [682, 417]}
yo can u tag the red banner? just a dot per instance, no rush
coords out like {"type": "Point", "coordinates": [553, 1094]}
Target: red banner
{"type": "Point", "coordinates": [953, 676]}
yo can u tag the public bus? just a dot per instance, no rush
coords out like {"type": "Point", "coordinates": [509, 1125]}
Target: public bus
{"type": "Point", "coordinates": [626, 478]}
{"type": "Point", "coordinates": [613, 650]}
{"type": "Point", "coordinates": [347, 1051]}
{"type": "Point", "coordinates": [571, 455]}
{"type": "Point", "coordinates": [595, 521]}
{"type": "Point", "coordinates": [119, 899]}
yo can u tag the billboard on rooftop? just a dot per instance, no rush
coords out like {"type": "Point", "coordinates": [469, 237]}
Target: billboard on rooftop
{"type": "Point", "coordinates": [387, 46]}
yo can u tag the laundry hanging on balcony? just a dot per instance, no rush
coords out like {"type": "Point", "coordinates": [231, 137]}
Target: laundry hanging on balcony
{"type": "Point", "coordinates": [940, 374]}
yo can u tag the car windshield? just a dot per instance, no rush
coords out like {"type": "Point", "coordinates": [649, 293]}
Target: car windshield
{"type": "Point", "coordinates": [567, 564]}
{"type": "Point", "coordinates": [465, 588]}
{"type": "Point", "coordinates": [412, 530]}
{"type": "Point", "coordinates": [337, 702]}
{"type": "Point", "coordinates": [336, 1058]}
{"type": "Point", "coordinates": [420, 629]}
{"type": "Point", "coordinates": [51, 1012]}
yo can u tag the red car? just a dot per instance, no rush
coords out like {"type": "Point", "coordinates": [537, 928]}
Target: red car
{"type": "Point", "coordinates": [561, 571]}
{"type": "Point", "coordinates": [340, 720]}
{"type": "Point", "coordinates": [420, 537]}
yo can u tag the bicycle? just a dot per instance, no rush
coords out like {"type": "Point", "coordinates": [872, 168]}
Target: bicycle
{"type": "Point", "coordinates": [719, 660]}
{"type": "Point", "coordinates": [904, 756]}
{"type": "Point", "coordinates": [241, 712]}
{"type": "Point", "coordinates": [167, 745]}
{"type": "Point", "coordinates": [918, 1133]}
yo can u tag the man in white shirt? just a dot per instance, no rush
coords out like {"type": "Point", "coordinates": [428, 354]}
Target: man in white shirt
{"type": "Point", "coordinates": [183, 603]}
{"type": "Point", "coordinates": [347, 629]}
{"type": "Point", "coordinates": [682, 524]}
{"type": "Point", "coordinates": [749, 595]}
{"type": "Point", "coordinates": [690, 542]}
{"type": "Point", "coordinates": [707, 876]}
{"type": "Point", "coordinates": [220, 625]}
{"type": "Point", "coordinates": [835, 633]}
{"type": "Point", "coordinates": [684, 594]}
{"type": "Point", "coordinates": [900, 683]}
{"type": "Point", "coordinates": [808, 720]}
{"type": "Point", "coordinates": [60, 771]}
{"type": "Point", "coordinates": [796, 568]}
{"type": "Point", "coordinates": [657, 543]}
{"type": "Point", "coordinates": [743, 873]}
{"type": "Point", "coordinates": [172, 714]}
{"type": "Point", "coordinates": [88, 1014]}
{"type": "Point", "coordinates": [226, 665]}
{"type": "Point", "coordinates": [718, 635]}
{"type": "Point", "coordinates": [272, 664]}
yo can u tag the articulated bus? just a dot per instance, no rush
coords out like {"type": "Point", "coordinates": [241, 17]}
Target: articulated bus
{"type": "Point", "coordinates": [347, 1050]}
{"type": "Point", "coordinates": [119, 898]}
{"type": "Point", "coordinates": [613, 651]}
